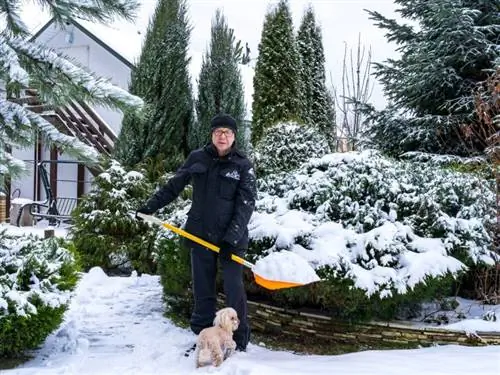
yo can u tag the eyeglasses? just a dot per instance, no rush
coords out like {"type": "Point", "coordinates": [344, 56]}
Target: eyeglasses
{"type": "Point", "coordinates": [226, 132]}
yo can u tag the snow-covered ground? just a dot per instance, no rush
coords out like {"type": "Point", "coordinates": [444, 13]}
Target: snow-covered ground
{"type": "Point", "coordinates": [115, 325]}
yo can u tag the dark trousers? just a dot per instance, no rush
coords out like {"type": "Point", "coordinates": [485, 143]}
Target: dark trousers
{"type": "Point", "coordinates": [204, 271]}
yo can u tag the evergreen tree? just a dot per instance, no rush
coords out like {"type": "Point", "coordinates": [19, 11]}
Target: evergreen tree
{"type": "Point", "coordinates": [57, 79]}
{"type": "Point", "coordinates": [454, 47]}
{"type": "Point", "coordinates": [276, 82]}
{"type": "Point", "coordinates": [317, 104]}
{"type": "Point", "coordinates": [220, 86]}
{"type": "Point", "coordinates": [129, 148]}
{"type": "Point", "coordinates": [162, 79]}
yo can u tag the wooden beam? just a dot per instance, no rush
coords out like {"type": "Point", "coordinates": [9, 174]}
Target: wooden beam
{"type": "Point", "coordinates": [54, 156]}
{"type": "Point", "coordinates": [36, 175]}
{"type": "Point", "coordinates": [103, 127]}
{"type": "Point", "coordinates": [80, 187]}
{"type": "Point", "coordinates": [8, 185]}
{"type": "Point", "coordinates": [92, 126]}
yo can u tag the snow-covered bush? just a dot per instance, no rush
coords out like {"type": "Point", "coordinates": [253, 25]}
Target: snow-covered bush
{"type": "Point", "coordinates": [287, 145]}
{"type": "Point", "coordinates": [36, 280]}
{"type": "Point", "coordinates": [388, 227]}
{"type": "Point", "coordinates": [105, 232]}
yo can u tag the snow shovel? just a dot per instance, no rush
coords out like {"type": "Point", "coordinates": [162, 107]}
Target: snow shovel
{"type": "Point", "coordinates": [263, 282]}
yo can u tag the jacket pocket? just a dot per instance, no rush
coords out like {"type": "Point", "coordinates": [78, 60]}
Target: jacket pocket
{"type": "Point", "coordinates": [197, 168]}
{"type": "Point", "coordinates": [229, 180]}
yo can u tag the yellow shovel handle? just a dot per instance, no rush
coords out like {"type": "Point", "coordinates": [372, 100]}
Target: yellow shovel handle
{"type": "Point", "coordinates": [193, 238]}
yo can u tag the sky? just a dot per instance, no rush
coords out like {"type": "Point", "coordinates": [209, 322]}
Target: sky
{"type": "Point", "coordinates": [342, 21]}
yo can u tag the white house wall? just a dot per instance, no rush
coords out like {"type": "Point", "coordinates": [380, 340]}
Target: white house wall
{"type": "Point", "coordinates": [23, 185]}
{"type": "Point", "coordinates": [76, 44]}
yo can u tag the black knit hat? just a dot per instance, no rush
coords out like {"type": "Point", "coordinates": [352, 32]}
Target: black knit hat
{"type": "Point", "coordinates": [224, 121]}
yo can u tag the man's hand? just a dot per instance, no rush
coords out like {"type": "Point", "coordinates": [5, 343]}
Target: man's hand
{"type": "Point", "coordinates": [144, 210]}
{"type": "Point", "coordinates": [226, 250]}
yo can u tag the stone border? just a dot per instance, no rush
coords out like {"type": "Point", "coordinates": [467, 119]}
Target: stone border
{"type": "Point", "coordinates": [293, 323]}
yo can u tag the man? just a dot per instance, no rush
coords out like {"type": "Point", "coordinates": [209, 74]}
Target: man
{"type": "Point", "coordinates": [224, 194]}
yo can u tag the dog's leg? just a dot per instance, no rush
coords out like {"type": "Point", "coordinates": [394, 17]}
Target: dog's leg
{"type": "Point", "coordinates": [204, 356]}
{"type": "Point", "coordinates": [229, 348]}
{"type": "Point", "coordinates": [217, 355]}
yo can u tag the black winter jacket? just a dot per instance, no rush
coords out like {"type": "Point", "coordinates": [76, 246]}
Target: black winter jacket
{"type": "Point", "coordinates": [224, 194]}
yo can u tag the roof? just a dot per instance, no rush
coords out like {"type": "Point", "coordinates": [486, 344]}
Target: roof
{"type": "Point", "coordinates": [90, 35]}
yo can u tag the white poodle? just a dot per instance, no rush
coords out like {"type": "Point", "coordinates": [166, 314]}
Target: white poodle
{"type": "Point", "coordinates": [216, 343]}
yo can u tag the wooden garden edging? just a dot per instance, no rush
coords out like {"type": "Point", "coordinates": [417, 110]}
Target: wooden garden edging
{"type": "Point", "coordinates": [275, 320]}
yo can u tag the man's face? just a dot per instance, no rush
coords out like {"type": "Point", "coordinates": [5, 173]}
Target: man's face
{"type": "Point", "coordinates": [223, 139]}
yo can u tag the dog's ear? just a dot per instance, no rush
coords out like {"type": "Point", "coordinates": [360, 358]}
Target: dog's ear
{"type": "Point", "coordinates": [219, 318]}
{"type": "Point", "coordinates": [223, 319]}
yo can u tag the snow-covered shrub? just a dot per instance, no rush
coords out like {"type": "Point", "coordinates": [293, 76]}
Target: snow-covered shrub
{"type": "Point", "coordinates": [287, 145]}
{"type": "Point", "coordinates": [36, 280]}
{"type": "Point", "coordinates": [391, 228]}
{"type": "Point", "coordinates": [105, 232]}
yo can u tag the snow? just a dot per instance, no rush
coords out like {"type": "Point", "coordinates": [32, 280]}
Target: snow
{"type": "Point", "coordinates": [286, 266]}
{"type": "Point", "coordinates": [115, 325]}
{"type": "Point", "coordinates": [38, 230]}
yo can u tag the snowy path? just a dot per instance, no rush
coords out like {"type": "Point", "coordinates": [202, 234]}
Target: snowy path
{"type": "Point", "coordinates": [115, 326]}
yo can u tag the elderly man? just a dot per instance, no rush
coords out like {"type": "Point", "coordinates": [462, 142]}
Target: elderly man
{"type": "Point", "coordinates": [224, 194]}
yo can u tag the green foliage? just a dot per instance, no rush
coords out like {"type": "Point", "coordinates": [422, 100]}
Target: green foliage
{"type": "Point", "coordinates": [162, 79]}
{"type": "Point", "coordinates": [174, 268]}
{"type": "Point", "coordinates": [318, 109]}
{"type": "Point", "coordinates": [340, 299]}
{"type": "Point", "coordinates": [129, 146]}
{"type": "Point", "coordinates": [105, 233]}
{"type": "Point", "coordinates": [277, 81]}
{"type": "Point", "coordinates": [19, 333]}
{"type": "Point", "coordinates": [220, 87]}
{"type": "Point", "coordinates": [453, 47]}
{"type": "Point", "coordinates": [36, 278]}
{"type": "Point", "coordinates": [287, 145]}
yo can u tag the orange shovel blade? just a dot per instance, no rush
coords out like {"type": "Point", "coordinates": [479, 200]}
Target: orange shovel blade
{"type": "Point", "coordinates": [274, 284]}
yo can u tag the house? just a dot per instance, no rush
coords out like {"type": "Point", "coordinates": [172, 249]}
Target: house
{"type": "Point", "coordinates": [97, 126]}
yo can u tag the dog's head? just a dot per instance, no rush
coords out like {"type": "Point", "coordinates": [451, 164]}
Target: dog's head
{"type": "Point", "coordinates": [227, 319]}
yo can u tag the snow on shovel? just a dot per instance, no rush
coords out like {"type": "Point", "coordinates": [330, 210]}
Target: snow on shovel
{"type": "Point", "coordinates": [292, 262]}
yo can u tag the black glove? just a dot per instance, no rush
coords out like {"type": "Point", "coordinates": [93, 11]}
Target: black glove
{"type": "Point", "coordinates": [144, 210]}
{"type": "Point", "coordinates": [226, 250]}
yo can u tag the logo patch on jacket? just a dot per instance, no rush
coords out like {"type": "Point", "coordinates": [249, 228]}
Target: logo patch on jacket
{"type": "Point", "coordinates": [233, 174]}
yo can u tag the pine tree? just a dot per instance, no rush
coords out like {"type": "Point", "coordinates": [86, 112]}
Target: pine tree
{"type": "Point", "coordinates": [162, 79]}
{"type": "Point", "coordinates": [220, 86]}
{"type": "Point", "coordinates": [317, 103]}
{"type": "Point", "coordinates": [276, 82]}
{"type": "Point", "coordinates": [57, 79]}
{"type": "Point", "coordinates": [454, 47]}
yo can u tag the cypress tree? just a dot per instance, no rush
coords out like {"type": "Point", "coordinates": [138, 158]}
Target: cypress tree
{"type": "Point", "coordinates": [162, 79]}
{"type": "Point", "coordinates": [317, 108]}
{"type": "Point", "coordinates": [220, 86]}
{"type": "Point", "coordinates": [276, 82]}
{"type": "Point", "coordinates": [129, 148]}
